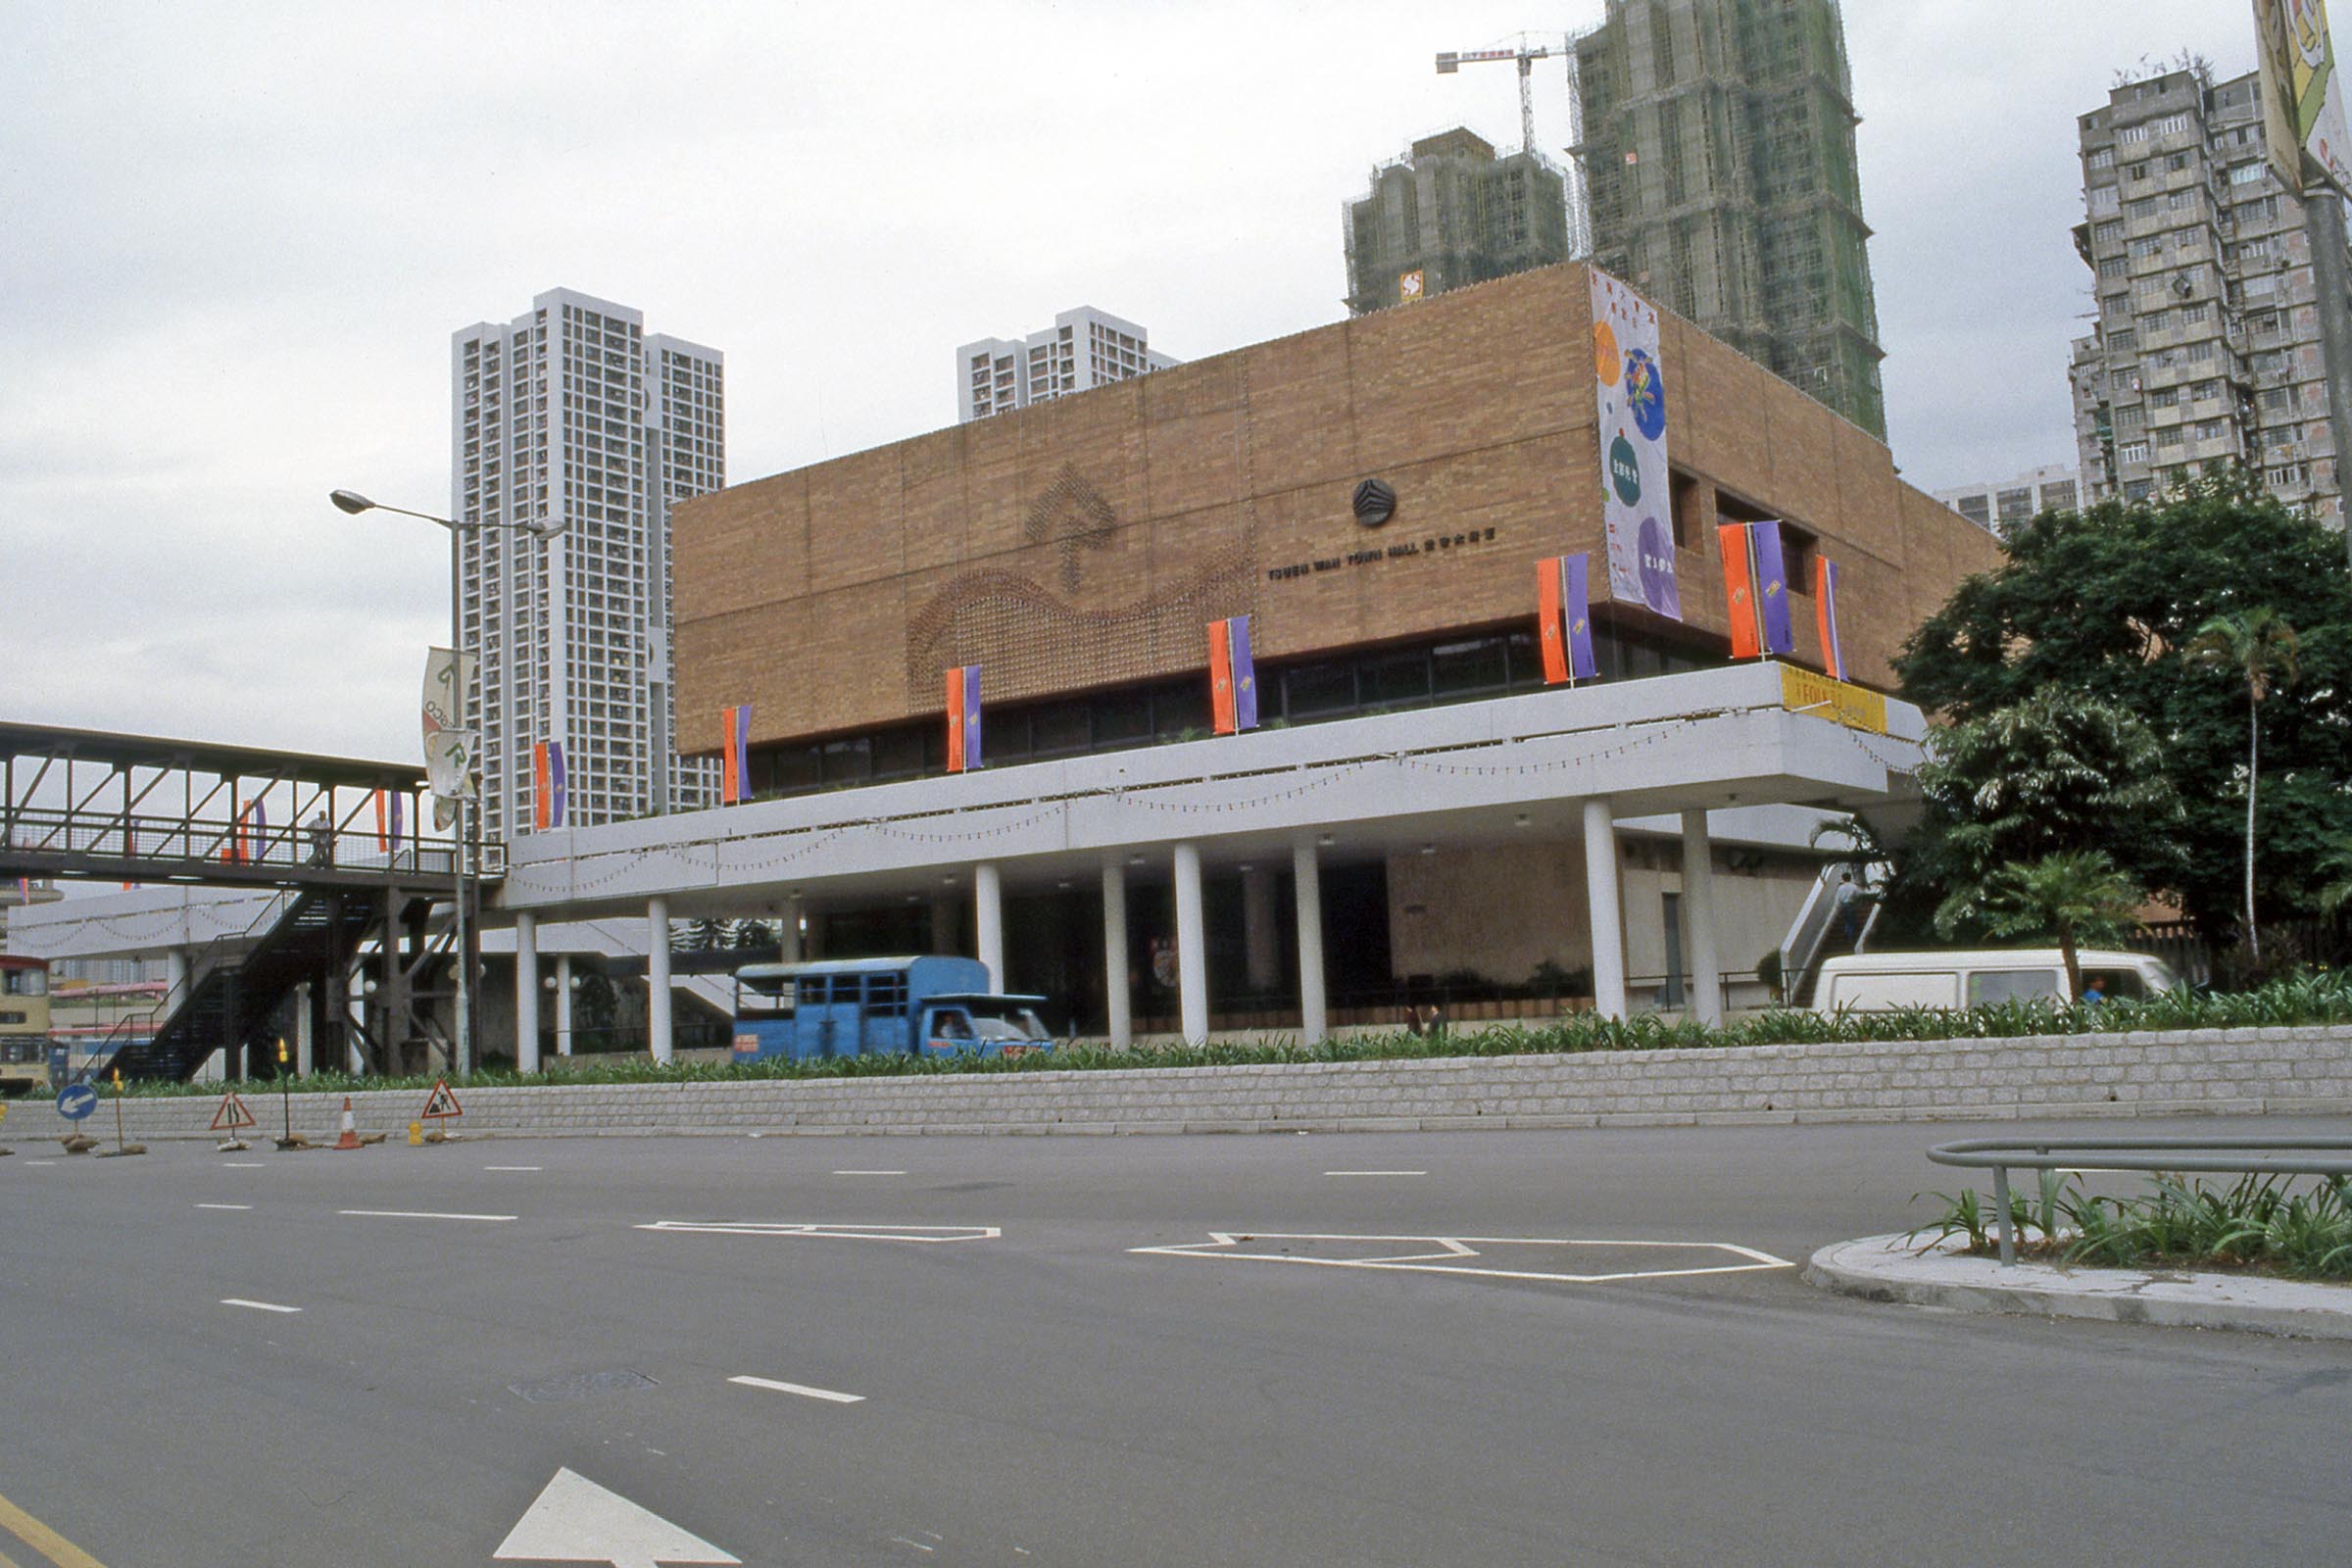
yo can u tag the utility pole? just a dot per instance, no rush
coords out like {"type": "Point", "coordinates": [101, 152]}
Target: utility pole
{"type": "Point", "coordinates": [2332, 297]}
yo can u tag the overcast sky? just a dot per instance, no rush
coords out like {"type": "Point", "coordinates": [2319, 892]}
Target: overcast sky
{"type": "Point", "coordinates": [235, 239]}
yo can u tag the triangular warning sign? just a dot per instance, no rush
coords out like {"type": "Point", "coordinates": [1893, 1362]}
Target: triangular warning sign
{"type": "Point", "coordinates": [232, 1114]}
{"type": "Point", "coordinates": [441, 1102]}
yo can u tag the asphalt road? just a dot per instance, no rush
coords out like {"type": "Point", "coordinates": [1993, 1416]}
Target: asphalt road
{"type": "Point", "coordinates": [1031, 1388]}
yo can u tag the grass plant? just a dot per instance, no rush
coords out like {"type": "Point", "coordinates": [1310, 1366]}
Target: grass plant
{"type": "Point", "coordinates": [2297, 1227]}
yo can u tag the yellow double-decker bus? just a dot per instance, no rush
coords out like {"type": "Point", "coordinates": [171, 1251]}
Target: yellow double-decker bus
{"type": "Point", "coordinates": [23, 1024]}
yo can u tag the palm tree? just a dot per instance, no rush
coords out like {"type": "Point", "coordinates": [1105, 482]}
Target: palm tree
{"type": "Point", "coordinates": [2076, 897]}
{"type": "Point", "coordinates": [2337, 891]}
{"type": "Point", "coordinates": [2260, 645]}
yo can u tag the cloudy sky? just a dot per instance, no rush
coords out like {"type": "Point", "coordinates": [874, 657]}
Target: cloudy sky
{"type": "Point", "coordinates": [235, 238]}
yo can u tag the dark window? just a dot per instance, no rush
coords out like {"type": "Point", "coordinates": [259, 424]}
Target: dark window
{"type": "Point", "coordinates": [1463, 670]}
{"type": "Point", "coordinates": [1682, 490]}
{"type": "Point", "coordinates": [1122, 716]}
{"type": "Point", "coordinates": [1061, 730]}
{"type": "Point", "coordinates": [899, 752]}
{"type": "Point", "coordinates": [796, 767]}
{"type": "Point", "coordinates": [1175, 709]}
{"type": "Point", "coordinates": [1311, 690]}
{"type": "Point", "coordinates": [848, 759]}
{"type": "Point", "coordinates": [1395, 680]}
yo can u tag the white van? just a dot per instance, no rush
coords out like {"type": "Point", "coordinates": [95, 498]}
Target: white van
{"type": "Point", "coordinates": [1881, 982]}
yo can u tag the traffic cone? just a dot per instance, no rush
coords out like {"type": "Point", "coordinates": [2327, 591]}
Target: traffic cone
{"type": "Point", "coordinates": [350, 1138]}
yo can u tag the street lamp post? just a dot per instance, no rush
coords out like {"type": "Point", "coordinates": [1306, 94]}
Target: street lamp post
{"type": "Point", "coordinates": [353, 503]}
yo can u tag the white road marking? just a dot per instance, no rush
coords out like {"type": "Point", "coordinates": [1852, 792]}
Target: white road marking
{"type": "Point", "coordinates": [869, 1173]}
{"type": "Point", "coordinates": [854, 1232]}
{"type": "Point", "coordinates": [28, 1164]}
{"type": "Point", "coordinates": [802, 1388]}
{"type": "Point", "coordinates": [1375, 1173]}
{"type": "Point", "coordinates": [417, 1213]}
{"type": "Point", "coordinates": [575, 1520]}
{"type": "Point", "coordinates": [514, 1167]}
{"type": "Point", "coordinates": [1222, 1243]}
{"type": "Point", "coordinates": [258, 1307]}
{"type": "Point", "coordinates": [243, 1164]}
{"type": "Point", "coordinates": [240, 1207]}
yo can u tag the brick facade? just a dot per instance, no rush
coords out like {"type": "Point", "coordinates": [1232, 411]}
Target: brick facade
{"type": "Point", "coordinates": [1084, 543]}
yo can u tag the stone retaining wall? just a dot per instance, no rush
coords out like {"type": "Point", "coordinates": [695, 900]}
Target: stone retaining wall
{"type": "Point", "coordinates": [2299, 1070]}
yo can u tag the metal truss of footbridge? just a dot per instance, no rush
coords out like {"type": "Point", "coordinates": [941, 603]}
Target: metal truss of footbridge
{"type": "Point", "coordinates": [339, 840]}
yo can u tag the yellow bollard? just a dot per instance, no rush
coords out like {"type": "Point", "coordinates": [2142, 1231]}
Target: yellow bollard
{"type": "Point", "coordinates": [416, 1135]}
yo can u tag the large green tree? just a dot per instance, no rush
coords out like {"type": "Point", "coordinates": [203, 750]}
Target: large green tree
{"type": "Point", "coordinates": [2071, 897]}
{"type": "Point", "coordinates": [2105, 603]}
{"type": "Point", "coordinates": [2057, 773]}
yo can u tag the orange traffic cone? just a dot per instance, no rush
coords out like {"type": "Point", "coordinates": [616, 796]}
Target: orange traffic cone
{"type": "Point", "coordinates": [350, 1138]}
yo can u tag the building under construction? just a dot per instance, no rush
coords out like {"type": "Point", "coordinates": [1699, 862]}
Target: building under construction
{"type": "Point", "coordinates": [1451, 214]}
{"type": "Point", "coordinates": [1719, 151]}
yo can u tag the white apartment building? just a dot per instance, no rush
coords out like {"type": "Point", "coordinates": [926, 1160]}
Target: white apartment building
{"type": "Point", "coordinates": [572, 416]}
{"type": "Point", "coordinates": [1083, 349]}
{"type": "Point", "coordinates": [2207, 347]}
{"type": "Point", "coordinates": [1999, 504]}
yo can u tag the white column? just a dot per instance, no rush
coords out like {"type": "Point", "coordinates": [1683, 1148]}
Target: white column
{"type": "Point", "coordinates": [303, 1044]}
{"type": "Point", "coordinates": [1117, 1001]}
{"type": "Point", "coordinates": [988, 922]}
{"type": "Point", "coordinates": [176, 979]}
{"type": "Point", "coordinates": [1192, 948]}
{"type": "Point", "coordinates": [1608, 913]}
{"type": "Point", "coordinates": [526, 993]}
{"type": "Point", "coordinates": [656, 979]}
{"type": "Point", "coordinates": [1264, 954]}
{"type": "Point", "coordinates": [788, 944]}
{"type": "Point", "coordinates": [1313, 1015]}
{"type": "Point", "coordinates": [1698, 919]}
{"type": "Point", "coordinates": [563, 1004]}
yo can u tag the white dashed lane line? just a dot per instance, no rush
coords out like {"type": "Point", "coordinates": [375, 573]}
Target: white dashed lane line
{"type": "Point", "coordinates": [231, 1208]}
{"type": "Point", "coordinates": [869, 1173]}
{"type": "Point", "coordinates": [419, 1213]}
{"type": "Point", "coordinates": [829, 1396]}
{"type": "Point", "coordinates": [1375, 1173]}
{"type": "Point", "coordinates": [512, 1167]}
{"type": "Point", "coordinates": [258, 1307]}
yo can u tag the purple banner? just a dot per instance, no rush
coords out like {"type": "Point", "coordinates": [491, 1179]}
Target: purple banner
{"type": "Point", "coordinates": [1772, 588]}
{"type": "Point", "coordinates": [1245, 676]}
{"type": "Point", "coordinates": [1576, 606]}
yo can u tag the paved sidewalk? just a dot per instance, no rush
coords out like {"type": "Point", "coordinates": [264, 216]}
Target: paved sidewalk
{"type": "Point", "coordinates": [1894, 1268]}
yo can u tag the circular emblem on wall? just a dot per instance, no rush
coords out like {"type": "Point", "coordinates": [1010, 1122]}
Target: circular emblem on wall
{"type": "Point", "coordinates": [1657, 566]}
{"type": "Point", "coordinates": [1605, 359]}
{"type": "Point", "coordinates": [1625, 471]}
{"type": "Point", "coordinates": [1375, 503]}
{"type": "Point", "coordinates": [1646, 394]}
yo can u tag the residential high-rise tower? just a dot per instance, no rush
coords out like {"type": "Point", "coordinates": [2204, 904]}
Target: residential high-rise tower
{"type": "Point", "coordinates": [1083, 349]}
{"type": "Point", "coordinates": [2207, 348]}
{"type": "Point", "coordinates": [572, 416]}
{"type": "Point", "coordinates": [1718, 152]}
{"type": "Point", "coordinates": [1449, 213]}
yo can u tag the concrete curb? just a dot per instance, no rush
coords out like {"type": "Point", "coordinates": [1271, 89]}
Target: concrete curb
{"type": "Point", "coordinates": [1892, 1268]}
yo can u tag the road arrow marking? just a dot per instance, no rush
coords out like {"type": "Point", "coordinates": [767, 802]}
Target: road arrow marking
{"type": "Point", "coordinates": [575, 1520]}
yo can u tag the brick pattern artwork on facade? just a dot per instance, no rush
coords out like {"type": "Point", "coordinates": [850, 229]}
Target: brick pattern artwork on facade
{"type": "Point", "coordinates": [1035, 638]}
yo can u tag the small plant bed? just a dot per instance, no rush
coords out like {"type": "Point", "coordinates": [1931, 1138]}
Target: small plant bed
{"type": "Point", "coordinates": [2295, 1228]}
{"type": "Point", "coordinates": [2320, 998]}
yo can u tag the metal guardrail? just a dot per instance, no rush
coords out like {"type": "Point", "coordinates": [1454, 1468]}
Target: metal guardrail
{"type": "Point", "coordinates": [112, 836]}
{"type": "Point", "coordinates": [2002, 1155]}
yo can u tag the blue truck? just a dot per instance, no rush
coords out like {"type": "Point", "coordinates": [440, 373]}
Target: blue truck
{"type": "Point", "coordinates": [922, 1007]}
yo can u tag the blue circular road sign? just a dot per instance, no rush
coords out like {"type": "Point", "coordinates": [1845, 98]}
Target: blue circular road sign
{"type": "Point", "coordinates": [76, 1100]}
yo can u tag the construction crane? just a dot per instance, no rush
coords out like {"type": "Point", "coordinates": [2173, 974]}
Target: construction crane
{"type": "Point", "coordinates": [1450, 63]}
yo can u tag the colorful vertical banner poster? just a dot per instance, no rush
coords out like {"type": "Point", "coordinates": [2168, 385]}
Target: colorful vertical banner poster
{"type": "Point", "coordinates": [1564, 630]}
{"type": "Point", "coordinates": [542, 790]}
{"type": "Point", "coordinates": [1636, 505]}
{"type": "Point", "coordinates": [383, 837]}
{"type": "Point", "coordinates": [963, 719]}
{"type": "Point", "coordinates": [735, 755]}
{"type": "Point", "coordinates": [2304, 127]}
{"type": "Point", "coordinates": [447, 746]}
{"type": "Point", "coordinates": [555, 784]}
{"type": "Point", "coordinates": [396, 822]}
{"type": "Point", "coordinates": [1824, 616]}
{"type": "Point", "coordinates": [1772, 589]}
{"type": "Point", "coordinates": [1232, 676]}
{"type": "Point", "coordinates": [1739, 589]}
{"type": "Point", "coordinates": [1551, 626]}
